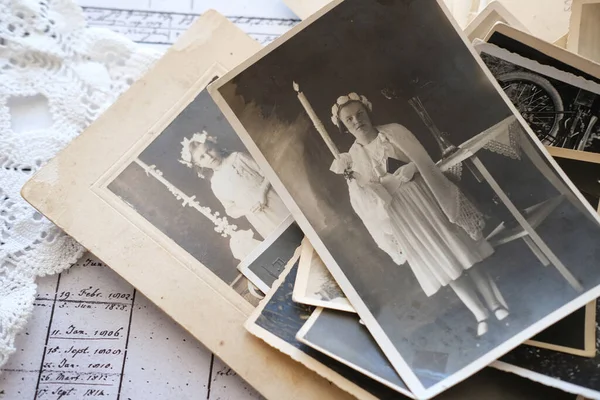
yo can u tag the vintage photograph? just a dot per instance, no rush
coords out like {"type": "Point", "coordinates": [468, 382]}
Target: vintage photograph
{"type": "Point", "coordinates": [563, 87]}
{"type": "Point", "coordinates": [586, 176]}
{"type": "Point", "coordinates": [266, 262]}
{"type": "Point", "coordinates": [561, 108]}
{"type": "Point", "coordinates": [339, 335]}
{"type": "Point", "coordinates": [314, 284]}
{"type": "Point", "coordinates": [440, 215]}
{"type": "Point", "coordinates": [486, 384]}
{"type": "Point", "coordinates": [571, 373]}
{"type": "Point", "coordinates": [278, 319]}
{"type": "Point", "coordinates": [574, 334]}
{"type": "Point", "coordinates": [197, 183]}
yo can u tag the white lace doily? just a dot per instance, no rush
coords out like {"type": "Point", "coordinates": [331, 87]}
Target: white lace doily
{"type": "Point", "coordinates": [56, 76]}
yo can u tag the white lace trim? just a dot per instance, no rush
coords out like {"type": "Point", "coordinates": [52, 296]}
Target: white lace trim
{"type": "Point", "coordinates": [51, 63]}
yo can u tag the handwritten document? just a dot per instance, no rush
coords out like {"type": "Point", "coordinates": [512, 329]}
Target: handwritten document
{"type": "Point", "coordinates": [164, 27]}
{"type": "Point", "coordinates": [92, 336]}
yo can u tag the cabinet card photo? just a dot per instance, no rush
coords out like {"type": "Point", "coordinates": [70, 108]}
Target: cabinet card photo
{"type": "Point", "coordinates": [449, 228]}
{"type": "Point", "coordinates": [162, 190]}
{"type": "Point", "coordinates": [197, 184]}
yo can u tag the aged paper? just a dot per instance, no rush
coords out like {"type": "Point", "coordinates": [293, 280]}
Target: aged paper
{"type": "Point", "coordinates": [296, 121]}
{"type": "Point", "coordinates": [77, 198]}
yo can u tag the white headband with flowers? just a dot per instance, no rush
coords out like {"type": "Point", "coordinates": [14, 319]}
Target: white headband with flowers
{"type": "Point", "coordinates": [342, 101]}
{"type": "Point", "coordinates": [186, 155]}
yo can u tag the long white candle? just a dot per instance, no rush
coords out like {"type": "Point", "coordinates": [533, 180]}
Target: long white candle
{"type": "Point", "coordinates": [316, 122]}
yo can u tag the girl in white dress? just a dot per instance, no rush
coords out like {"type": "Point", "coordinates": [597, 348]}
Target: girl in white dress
{"type": "Point", "coordinates": [415, 214]}
{"type": "Point", "coordinates": [238, 183]}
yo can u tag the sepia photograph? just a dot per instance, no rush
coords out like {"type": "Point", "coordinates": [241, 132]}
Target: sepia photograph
{"type": "Point", "coordinates": [314, 284]}
{"type": "Point", "coordinates": [437, 210]}
{"type": "Point", "coordinates": [197, 184]}
{"type": "Point", "coordinates": [574, 334]}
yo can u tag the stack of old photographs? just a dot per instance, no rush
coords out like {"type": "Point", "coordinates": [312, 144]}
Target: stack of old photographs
{"type": "Point", "coordinates": [440, 236]}
{"type": "Point", "coordinates": [392, 202]}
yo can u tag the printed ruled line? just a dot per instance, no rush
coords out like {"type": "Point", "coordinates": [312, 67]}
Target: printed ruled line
{"type": "Point", "coordinates": [84, 338]}
{"type": "Point", "coordinates": [52, 371]}
{"type": "Point", "coordinates": [210, 372]}
{"type": "Point", "coordinates": [83, 301]}
{"type": "Point", "coordinates": [69, 383]}
{"type": "Point", "coordinates": [37, 385]}
{"type": "Point", "coordinates": [126, 346]}
{"type": "Point", "coordinates": [233, 18]}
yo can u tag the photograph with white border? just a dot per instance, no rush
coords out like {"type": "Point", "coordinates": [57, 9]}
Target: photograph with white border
{"type": "Point", "coordinates": [278, 319]}
{"type": "Point", "coordinates": [314, 284]}
{"type": "Point", "coordinates": [442, 217]}
{"type": "Point", "coordinates": [196, 183]}
{"type": "Point", "coordinates": [266, 262]}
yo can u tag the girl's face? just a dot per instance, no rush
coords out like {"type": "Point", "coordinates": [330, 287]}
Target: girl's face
{"type": "Point", "coordinates": [206, 156]}
{"type": "Point", "coordinates": [355, 118]}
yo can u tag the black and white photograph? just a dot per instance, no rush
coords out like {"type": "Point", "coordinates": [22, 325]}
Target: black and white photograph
{"type": "Point", "coordinates": [314, 284]}
{"type": "Point", "coordinates": [586, 176]}
{"type": "Point", "coordinates": [574, 334]}
{"type": "Point", "coordinates": [266, 262]}
{"type": "Point", "coordinates": [571, 373]}
{"type": "Point", "coordinates": [561, 108]}
{"type": "Point", "coordinates": [435, 207]}
{"type": "Point", "coordinates": [549, 86]}
{"type": "Point", "coordinates": [339, 335]}
{"type": "Point", "coordinates": [278, 319]}
{"type": "Point", "coordinates": [198, 185]}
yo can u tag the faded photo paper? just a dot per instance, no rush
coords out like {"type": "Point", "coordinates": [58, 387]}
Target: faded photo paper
{"type": "Point", "coordinates": [197, 183]}
{"type": "Point", "coordinates": [314, 284]}
{"type": "Point", "coordinates": [436, 210]}
{"type": "Point", "coordinates": [574, 334]}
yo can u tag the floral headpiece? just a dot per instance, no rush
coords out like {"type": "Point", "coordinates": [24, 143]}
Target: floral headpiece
{"type": "Point", "coordinates": [342, 101]}
{"type": "Point", "coordinates": [186, 155]}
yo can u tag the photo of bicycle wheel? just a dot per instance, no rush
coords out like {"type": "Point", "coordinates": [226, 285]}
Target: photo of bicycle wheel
{"type": "Point", "coordinates": [561, 108]}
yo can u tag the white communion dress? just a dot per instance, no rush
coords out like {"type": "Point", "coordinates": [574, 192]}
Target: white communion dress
{"type": "Point", "coordinates": [415, 214]}
{"type": "Point", "coordinates": [237, 185]}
